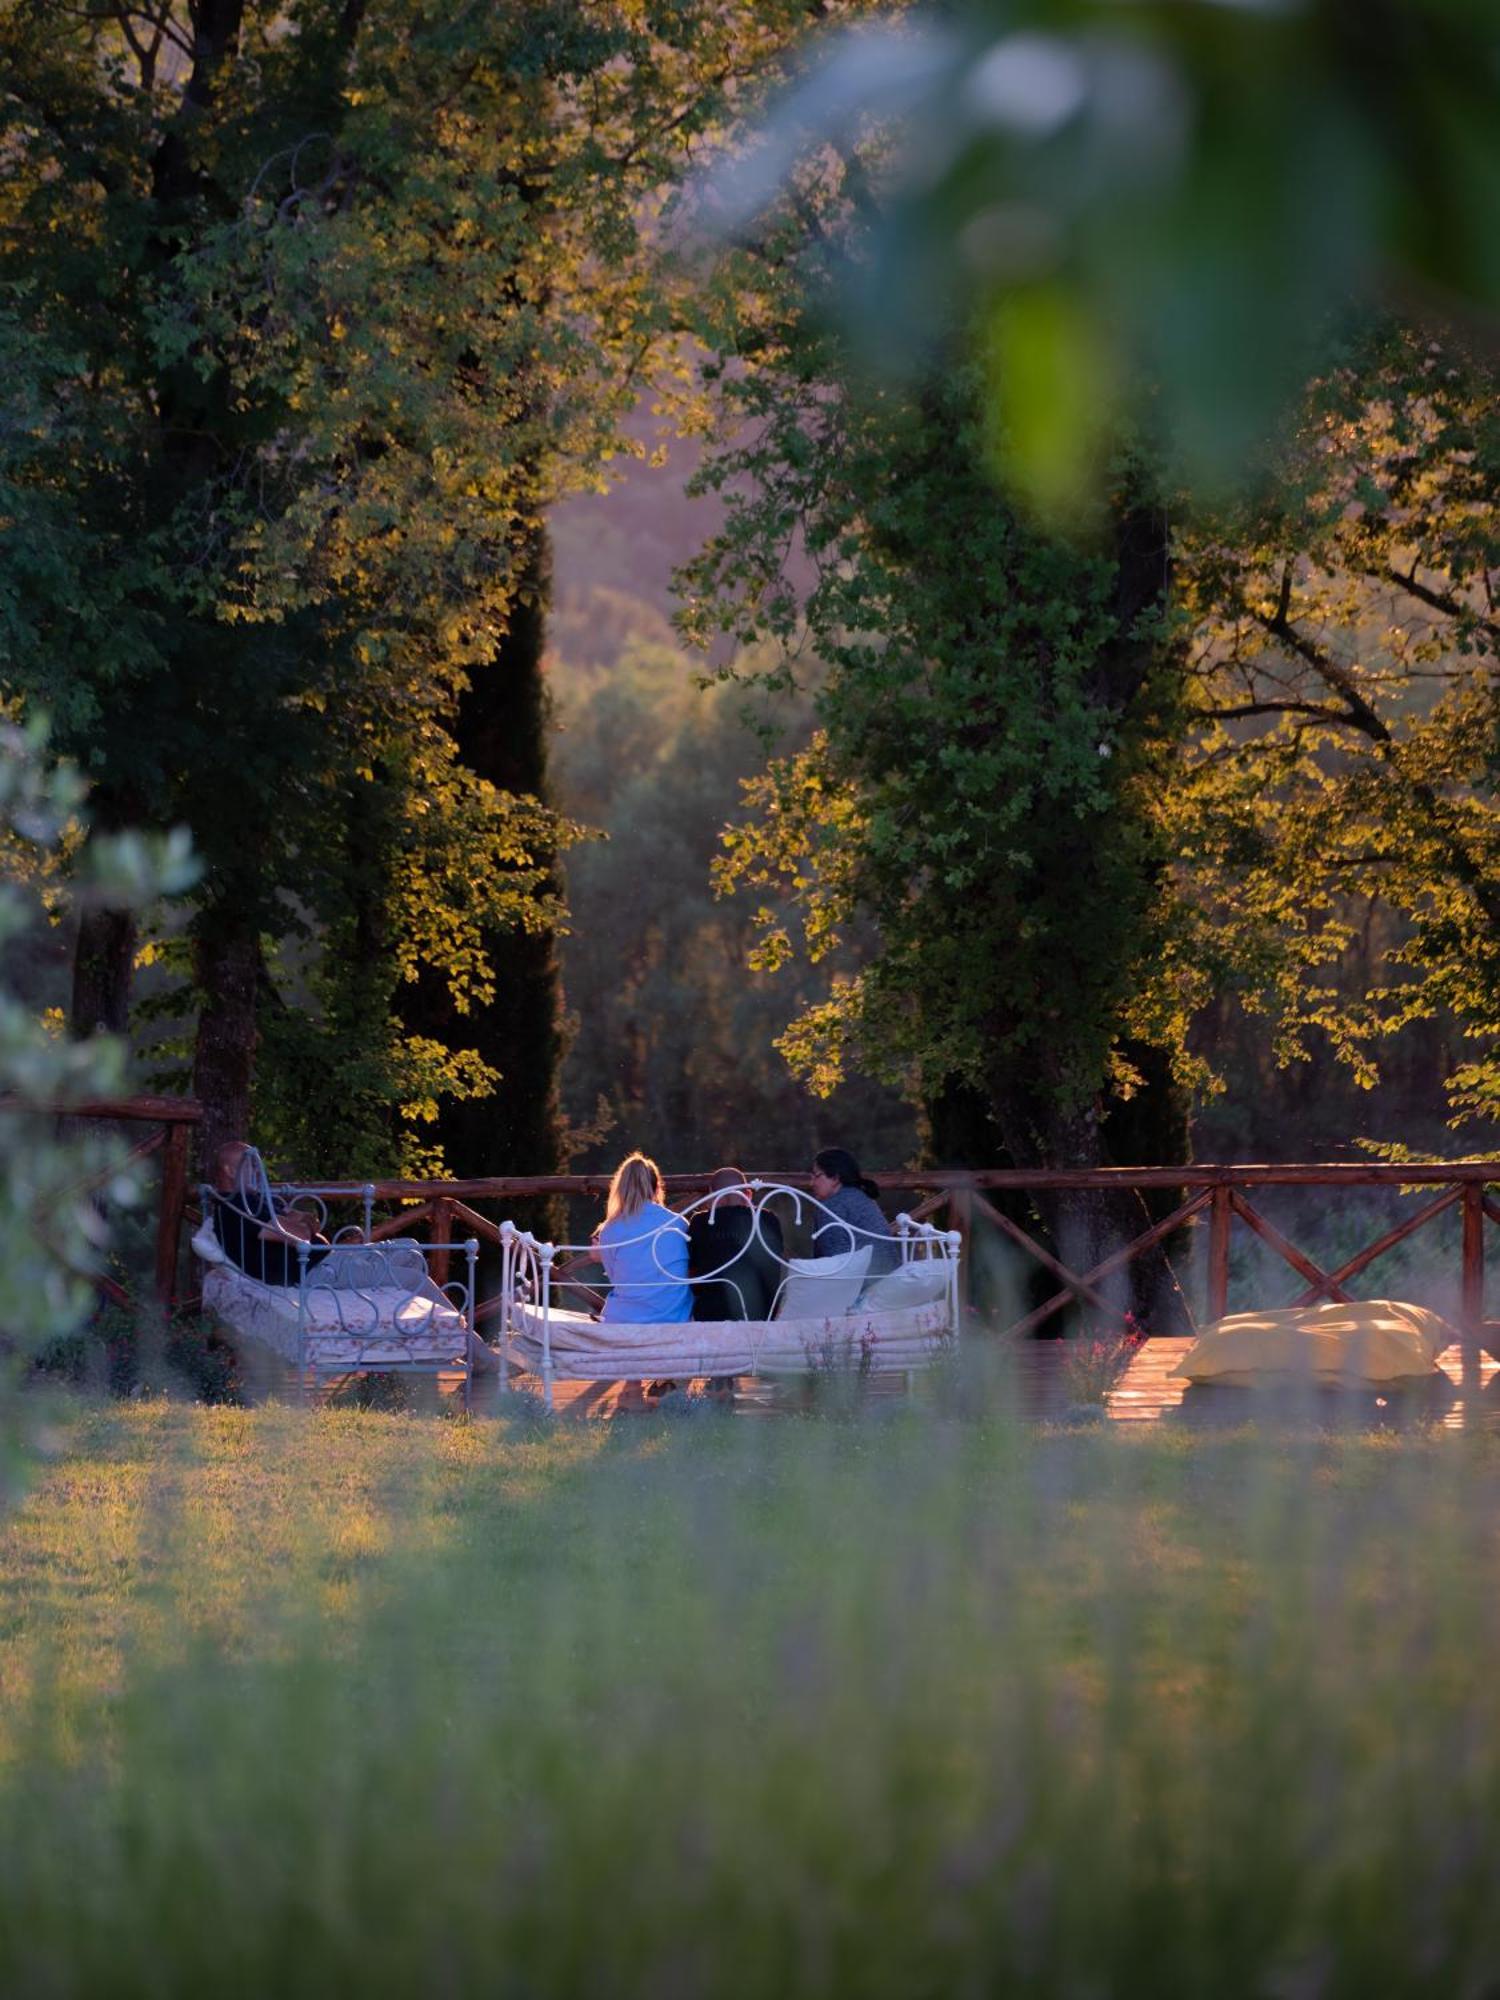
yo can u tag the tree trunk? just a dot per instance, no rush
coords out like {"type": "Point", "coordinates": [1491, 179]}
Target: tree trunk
{"type": "Point", "coordinates": [103, 970]}
{"type": "Point", "coordinates": [501, 733]}
{"type": "Point", "coordinates": [227, 969]}
{"type": "Point", "coordinates": [1039, 1117]}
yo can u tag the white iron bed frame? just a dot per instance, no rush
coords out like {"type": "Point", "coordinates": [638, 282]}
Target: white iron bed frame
{"type": "Point", "coordinates": [539, 1334]}
{"type": "Point", "coordinates": [358, 1306]}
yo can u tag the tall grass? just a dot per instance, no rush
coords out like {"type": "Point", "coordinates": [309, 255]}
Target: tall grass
{"type": "Point", "coordinates": [918, 1703]}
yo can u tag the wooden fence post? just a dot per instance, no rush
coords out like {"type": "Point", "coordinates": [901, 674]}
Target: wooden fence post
{"type": "Point", "coordinates": [442, 1232]}
{"type": "Point", "coordinates": [1220, 1221]}
{"type": "Point", "coordinates": [961, 1218]}
{"type": "Point", "coordinates": [174, 1188]}
{"type": "Point", "coordinates": [1473, 1280]}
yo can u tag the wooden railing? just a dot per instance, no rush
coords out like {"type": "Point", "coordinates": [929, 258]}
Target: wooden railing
{"type": "Point", "coordinates": [1217, 1197]}
{"type": "Point", "coordinates": [171, 1120]}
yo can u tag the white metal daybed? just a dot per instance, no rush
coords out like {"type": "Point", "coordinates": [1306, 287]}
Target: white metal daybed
{"type": "Point", "coordinates": [829, 1312]}
{"type": "Point", "coordinates": [345, 1306]}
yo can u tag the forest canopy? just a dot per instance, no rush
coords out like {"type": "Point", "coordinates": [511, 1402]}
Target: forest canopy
{"type": "Point", "coordinates": [1109, 771]}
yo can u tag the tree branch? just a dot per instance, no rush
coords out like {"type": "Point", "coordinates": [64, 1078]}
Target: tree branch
{"type": "Point", "coordinates": [1336, 718]}
{"type": "Point", "coordinates": [1323, 663]}
{"type": "Point", "coordinates": [1439, 600]}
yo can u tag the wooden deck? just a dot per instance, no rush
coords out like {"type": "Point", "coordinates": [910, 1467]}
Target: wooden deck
{"type": "Point", "coordinates": [1149, 1391]}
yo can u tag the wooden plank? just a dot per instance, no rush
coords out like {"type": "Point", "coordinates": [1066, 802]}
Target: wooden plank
{"type": "Point", "coordinates": [961, 1217]}
{"type": "Point", "coordinates": [1077, 1286]}
{"type": "Point", "coordinates": [1397, 1234]}
{"type": "Point", "coordinates": [1337, 1173]}
{"type": "Point", "coordinates": [1150, 1385]}
{"type": "Point", "coordinates": [1146, 1241]}
{"type": "Point", "coordinates": [400, 1225]}
{"type": "Point", "coordinates": [1220, 1225]}
{"type": "Point", "coordinates": [441, 1232]}
{"type": "Point", "coordinates": [137, 1110]}
{"type": "Point", "coordinates": [141, 1150]}
{"type": "Point", "coordinates": [172, 1202]}
{"type": "Point", "coordinates": [1149, 1239]}
{"type": "Point", "coordinates": [1473, 1262]}
{"type": "Point", "coordinates": [1322, 1284]}
{"type": "Point", "coordinates": [573, 1292]}
{"type": "Point", "coordinates": [477, 1224]}
{"type": "Point", "coordinates": [1424, 1173]}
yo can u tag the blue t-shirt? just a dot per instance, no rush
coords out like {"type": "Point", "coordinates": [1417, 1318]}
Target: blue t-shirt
{"type": "Point", "coordinates": [651, 1268]}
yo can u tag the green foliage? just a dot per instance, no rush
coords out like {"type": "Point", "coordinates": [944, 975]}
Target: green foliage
{"type": "Point", "coordinates": [1345, 739]}
{"type": "Point", "coordinates": [670, 1044]}
{"type": "Point", "coordinates": [1150, 209]}
{"type": "Point", "coordinates": [316, 308]}
{"type": "Point", "coordinates": [1087, 786]}
{"type": "Point", "coordinates": [996, 715]}
{"type": "Point", "coordinates": [53, 1238]}
{"type": "Point", "coordinates": [132, 1350]}
{"type": "Point", "coordinates": [924, 1705]}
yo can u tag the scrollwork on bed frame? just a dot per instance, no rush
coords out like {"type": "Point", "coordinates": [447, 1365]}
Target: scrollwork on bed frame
{"type": "Point", "coordinates": [533, 1270]}
{"type": "Point", "coordinates": [348, 1268]}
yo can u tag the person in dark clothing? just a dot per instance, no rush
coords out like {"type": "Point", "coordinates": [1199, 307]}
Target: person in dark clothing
{"type": "Point", "coordinates": [743, 1267]}
{"type": "Point", "coordinates": [843, 1190]}
{"type": "Point", "coordinates": [257, 1237]}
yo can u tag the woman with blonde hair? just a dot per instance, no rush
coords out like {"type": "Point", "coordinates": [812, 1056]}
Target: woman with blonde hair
{"type": "Point", "coordinates": [643, 1247]}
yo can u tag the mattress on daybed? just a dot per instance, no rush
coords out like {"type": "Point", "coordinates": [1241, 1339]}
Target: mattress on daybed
{"type": "Point", "coordinates": [591, 1350]}
{"type": "Point", "coordinates": [1367, 1341]}
{"type": "Point", "coordinates": [377, 1326]}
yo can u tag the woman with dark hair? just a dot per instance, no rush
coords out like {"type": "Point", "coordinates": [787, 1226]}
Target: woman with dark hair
{"type": "Point", "coordinates": [843, 1190]}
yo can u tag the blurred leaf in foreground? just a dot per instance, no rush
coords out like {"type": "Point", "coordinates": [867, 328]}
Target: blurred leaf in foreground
{"type": "Point", "coordinates": [1163, 204]}
{"type": "Point", "coordinates": [53, 1237]}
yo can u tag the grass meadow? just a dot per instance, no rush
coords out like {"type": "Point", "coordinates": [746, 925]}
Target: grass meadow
{"type": "Point", "coordinates": [919, 1701]}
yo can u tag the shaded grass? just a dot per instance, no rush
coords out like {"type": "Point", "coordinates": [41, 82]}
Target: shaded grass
{"type": "Point", "coordinates": [927, 1703]}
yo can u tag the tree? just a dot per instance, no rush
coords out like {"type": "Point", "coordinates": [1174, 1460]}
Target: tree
{"type": "Point", "coordinates": [322, 305]}
{"type": "Point", "coordinates": [996, 712]}
{"type": "Point", "coordinates": [1344, 687]}
{"type": "Point", "coordinates": [1079, 797]}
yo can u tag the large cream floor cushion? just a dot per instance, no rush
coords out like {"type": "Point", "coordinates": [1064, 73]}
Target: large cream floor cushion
{"type": "Point", "coordinates": [1368, 1341]}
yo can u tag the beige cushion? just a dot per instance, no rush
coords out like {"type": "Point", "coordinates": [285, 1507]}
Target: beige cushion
{"type": "Point", "coordinates": [822, 1287]}
{"type": "Point", "coordinates": [585, 1349]}
{"type": "Point", "coordinates": [912, 1284]}
{"type": "Point", "coordinates": [1366, 1341]}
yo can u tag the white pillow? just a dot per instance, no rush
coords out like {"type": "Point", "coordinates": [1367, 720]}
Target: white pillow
{"type": "Point", "coordinates": [206, 1246]}
{"type": "Point", "coordinates": [822, 1287]}
{"type": "Point", "coordinates": [915, 1284]}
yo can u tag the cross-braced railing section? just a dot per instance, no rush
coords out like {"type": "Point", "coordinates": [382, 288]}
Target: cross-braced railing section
{"type": "Point", "coordinates": [1218, 1201]}
{"type": "Point", "coordinates": [170, 1122]}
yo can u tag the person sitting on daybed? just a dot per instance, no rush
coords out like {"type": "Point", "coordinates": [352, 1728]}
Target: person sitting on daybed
{"type": "Point", "coordinates": [647, 1271]}
{"type": "Point", "coordinates": [742, 1268]}
{"type": "Point", "coordinates": [259, 1237]}
{"type": "Point", "coordinates": [838, 1183]}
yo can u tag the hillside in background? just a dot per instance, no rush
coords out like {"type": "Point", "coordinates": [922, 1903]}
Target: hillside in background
{"type": "Point", "coordinates": [673, 1039]}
